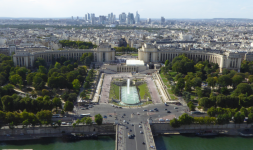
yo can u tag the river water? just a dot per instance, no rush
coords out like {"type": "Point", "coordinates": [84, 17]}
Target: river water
{"type": "Point", "coordinates": [181, 142]}
{"type": "Point", "coordinates": [173, 142]}
{"type": "Point", "coordinates": [103, 143]}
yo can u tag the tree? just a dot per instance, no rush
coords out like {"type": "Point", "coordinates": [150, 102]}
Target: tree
{"type": "Point", "coordinates": [250, 79]}
{"type": "Point", "coordinates": [40, 62]}
{"type": "Point", "coordinates": [191, 106]}
{"type": "Point", "coordinates": [196, 82]}
{"type": "Point", "coordinates": [68, 106]}
{"type": "Point", "coordinates": [211, 81]}
{"type": "Point", "coordinates": [16, 79]}
{"type": "Point", "coordinates": [57, 65]}
{"type": "Point", "coordinates": [98, 119]}
{"type": "Point", "coordinates": [88, 121]}
{"type": "Point", "coordinates": [57, 102]}
{"type": "Point", "coordinates": [65, 96]}
{"type": "Point", "coordinates": [59, 123]}
{"type": "Point", "coordinates": [76, 84]}
{"type": "Point", "coordinates": [237, 79]}
{"type": "Point", "coordinates": [185, 119]}
{"type": "Point", "coordinates": [239, 118]}
{"type": "Point", "coordinates": [211, 112]}
{"type": "Point", "coordinates": [7, 103]}
{"type": "Point", "coordinates": [83, 94]}
{"type": "Point", "coordinates": [42, 69]}
{"type": "Point", "coordinates": [83, 120]}
{"type": "Point", "coordinates": [72, 97]}
{"type": "Point", "coordinates": [180, 84]}
{"type": "Point", "coordinates": [167, 63]}
{"type": "Point", "coordinates": [44, 116]}
{"type": "Point", "coordinates": [174, 123]}
{"type": "Point", "coordinates": [188, 85]}
{"type": "Point", "coordinates": [224, 80]}
{"type": "Point", "coordinates": [45, 92]}
{"type": "Point", "coordinates": [243, 88]}
{"type": "Point", "coordinates": [78, 121]}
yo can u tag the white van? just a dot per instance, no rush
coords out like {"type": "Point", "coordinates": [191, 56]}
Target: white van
{"type": "Point", "coordinates": [63, 123]}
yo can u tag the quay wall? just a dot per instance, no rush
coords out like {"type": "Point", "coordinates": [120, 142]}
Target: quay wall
{"type": "Point", "coordinates": [89, 129]}
{"type": "Point", "coordinates": [160, 128]}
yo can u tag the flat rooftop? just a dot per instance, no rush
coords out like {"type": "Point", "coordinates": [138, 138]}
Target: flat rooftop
{"type": "Point", "coordinates": [134, 63]}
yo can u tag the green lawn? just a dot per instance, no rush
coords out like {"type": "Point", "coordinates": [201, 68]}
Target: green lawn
{"type": "Point", "coordinates": [144, 92]}
{"type": "Point", "coordinates": [165, 81]}
{"type": "Point", "coordinates": [134, 54]}
{"type": "Point", "coordinates": [114, 91]}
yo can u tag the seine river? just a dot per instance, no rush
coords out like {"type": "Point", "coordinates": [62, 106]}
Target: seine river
{"type": "Point", "coordinates": [103, 143]}
{"type": "Point", "coordinates": [180, 142]}
{"type": "Point", "coordinates": [174, 142]}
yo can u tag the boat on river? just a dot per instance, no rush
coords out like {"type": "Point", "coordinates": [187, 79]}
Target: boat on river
{"type": "Point", "coordinates": [207, 133]}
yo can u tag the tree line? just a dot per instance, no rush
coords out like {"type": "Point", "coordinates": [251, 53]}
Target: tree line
{"type": "Point", "coordinates": [77, 44]}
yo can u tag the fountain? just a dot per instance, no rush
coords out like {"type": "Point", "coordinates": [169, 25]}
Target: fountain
{"type": "Point", "coordinates": [128, 84]}
{"type": "Point", "coordinates": [129, 94]}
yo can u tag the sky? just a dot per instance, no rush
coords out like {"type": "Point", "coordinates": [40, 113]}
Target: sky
{"type": "Point", "coordinates": [192, 9]}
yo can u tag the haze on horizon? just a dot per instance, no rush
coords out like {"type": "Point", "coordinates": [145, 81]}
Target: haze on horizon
{"type": "Point", "coordinates": [193, 9]}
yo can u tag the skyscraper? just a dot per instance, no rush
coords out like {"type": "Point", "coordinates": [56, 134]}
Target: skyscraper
{"type": "Point", "coordinates": [122, 18]}
{"type": "Point", "coordinates": [137, 18]}
{"type": "Point", "coordinates": [88, 16]}
{"type": "Point", "coordinates": [130, 18]}
{"type": "Point", "coordinates": [162, 20]}
{"type": "Point", "coordinates": [149, 21]}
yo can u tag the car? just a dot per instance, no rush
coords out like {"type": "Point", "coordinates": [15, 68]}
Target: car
{"type": "Point", "coordinates": [165, 109]}
{"type": "Point", "coordinates": [126, 127]}
{"type": "Point", "coordinates": [145, 110]}
{"type": "Point", "coordinates": [8, 135]}
{"type": "Point", "coordinates": [130, 130]}
{"type": "Point", "coordinates": [105, 116]}
{"type": "Point", "coordinates": [133, 135]}
{"type": "Point", "coordinates": [82, 108]}
{"type": "Point", "coordinates": [140, 126]}
{"type": "Point", "coordinates": [120, 107]}
{"type": "Point", "coordinates": [124, 114]}
{"type": "Point", "coordinates": [151, 110]}
{"type": "Point", "coordinates": [21, 133]}
{"type": "Point", "coordinates": [127, 122]}
{"type": "Point", "coordinates": [69, 123]}
{"type": "Point", "coordinates": [63, 123]}
{"type": "Point", "coordinates": [110, 115]}
{"type": "Point", "coordinates": [132, 124]}
{"type": "Point", "coordinates": [116, 106]}
{"type": "Point", "coordinates": [90, 106]}
{"type": "Point", "coordinates": [168, 120]}
{"type": "Point", "coordinates": [141, 132]}
{"type": "Point", "coordinates": [112, 105]}
{"type": "Point", "coordinates": [124, 121]}
{"type": "Point", "coordinates": [161, 120]}
{"type": "Point", "coordinates": [138, 113]}
{"type": "Point", "coordinates": [155, 109]}
{"type": "Point", "coordinates": [168, 111]}
{"type": "Point", "coordinates": [175, 108]}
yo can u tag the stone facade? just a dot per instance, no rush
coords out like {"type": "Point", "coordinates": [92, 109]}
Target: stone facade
{"type": "Point", "coordinates": [230, 60]}
{"type": "Point", "coordinates": [104, 53]}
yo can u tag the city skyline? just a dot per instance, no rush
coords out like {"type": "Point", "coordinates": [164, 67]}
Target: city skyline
{"type": "Point", "coordinates": [190, 9]}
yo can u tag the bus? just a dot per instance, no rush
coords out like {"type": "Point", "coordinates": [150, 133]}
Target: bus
{"type": "Point", "coordinates": [56, 116]}
{"type": "Point", "coordinates": [85, 115]}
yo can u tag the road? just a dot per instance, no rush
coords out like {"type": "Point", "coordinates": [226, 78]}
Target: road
{"type": "Point", "coordinates": [131, 113]}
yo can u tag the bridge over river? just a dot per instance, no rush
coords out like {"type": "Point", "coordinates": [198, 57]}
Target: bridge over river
{"type": "Point", "coordinates": [139, 133]}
